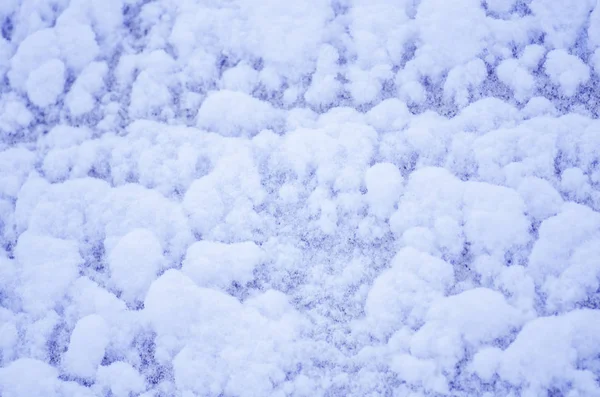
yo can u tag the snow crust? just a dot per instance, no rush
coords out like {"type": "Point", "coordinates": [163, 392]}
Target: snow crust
{"type": "Point", "coordinates": [324, 198]}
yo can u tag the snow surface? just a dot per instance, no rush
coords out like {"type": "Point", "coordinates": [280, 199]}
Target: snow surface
{"type": "Point", "coordinates": [324, 198]}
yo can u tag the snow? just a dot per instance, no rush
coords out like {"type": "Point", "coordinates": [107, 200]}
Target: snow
{"type": "Point", "coordinates": [454, 325]}
{"type": "Point", "coordinates": [14, 165]}
{"type": "Point", "coordinates": [324, 88]}
{"type": "Point", "coordinates": [241, 78]}
{"type": "Point", "coordinates": [561, 21]}
{"type": "Point", "coordinates": [46, 83]}
{"type": "Point", "coordinates": [514, 75]}
{"type": "Point", "coordinates": [384, 185]}
{"type": "Point", "coordinates": [403, 293]}
{"type": "Point", "coordinates": [500, 6]}
{"type": "Point", "coordinates": [543, 200]}
{"type": "Point", "coordinates": [77, 42]}
{"type": "Point", "coordinates": [47, 267]}
{"type": "Point", "coordinates": [473, 317]}
{"type": "Point", "coordinates": [494, 218]}
{"type": "Point", "coordinates": [15, 116]}
{"type": "Point", "coordinates": [87, 346]}
{"type": "Point", "coordinates": [28, 377]}
{"type": "Point", "coordinates": [120, 378]}
{"type": "Point", "coordinates": [526, 361]}
{"type": "Point", "coordinates": [462, 80]}
{"type": "Point", "coordinates": [326, 198]}
{"type": "Point", "coordinates": [36, 49]}
{"type": "Point", "coordinates": [567, 71]}
{"type": "Point", "coordinates": [244, 345]}
{"type": "Point", "coordinates": [214, 264]}
{"type": "Point", "coordinates": [81, 98]}
{"type": "Point", "coordinates": [388, 115]}
{"type": "Point", "coordinates": [440, 26]}
{"type": "Point", "coordinates": [134, 263]}
{"type": "Point", "coordinates": [365, 85]}
{"type": "Point", "coordinates": [234, 114]}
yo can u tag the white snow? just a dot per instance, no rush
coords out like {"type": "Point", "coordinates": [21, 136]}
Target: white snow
{"type": "Point", "coordinates": [148, 96]}
{"type": "Point", "coordinates": [325, 198]}
{"type": "Point", "coordinates": [47, 267]}
{"type": "Point", "coordinates": [324, 87]}
{"type": "Point", "coordinates": [464, 79]}
{"type": "Point", "coordinates": [81, 98]}
{"type": "Point", "coordinates": [561, 21]}
{"type": "Point", "coordinates": [514, 75]}
{"type": "Point", "coordinates": [567, 71]}
{"type": "Point", "coordinates": [213, 264]}
{"type": "Point", "coordinates": [14, 116]}
{"type": "Point", "coordinates": [384, 185]}
{"type": "Point", "coordinates": [241, 78]}
{"type": "Point", "coordinates": [36, 49]}
{"type": "Point", "coordinates": [15, 164]}
{"type": "Point", "coordinates": [232, 113]}
{"type": "Point", "coordinates": [29, 377]}
{"type": "Point", "coordinates": [87, 346]}
{"type": "Point", "coordinates": [526, 361]}
{"type": "Point", "coordinates": [134, 263]}
{"type": "Point", "coordinates": [500, 6]}
{"type": "Point", "coordinates": [403, 293]}
{"type": "Point", "coordinates": [390, 114]}
{"type": "Point", "coordinates": [46, 83]}
{"type": "Point", "coordinates": [78, 44]}
{"type": "Point", "coordinates": [120, 378]}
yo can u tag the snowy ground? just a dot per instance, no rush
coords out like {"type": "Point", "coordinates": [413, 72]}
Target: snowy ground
{"type": "Point", "coordinates": [299, 198]}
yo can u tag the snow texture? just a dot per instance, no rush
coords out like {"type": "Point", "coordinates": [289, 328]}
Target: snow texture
{"type": "Point", "coordinates": [325, 198]}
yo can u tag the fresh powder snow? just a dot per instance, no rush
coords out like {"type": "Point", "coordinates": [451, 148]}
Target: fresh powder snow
{"type": "Point", "coordinates": [248, 198]}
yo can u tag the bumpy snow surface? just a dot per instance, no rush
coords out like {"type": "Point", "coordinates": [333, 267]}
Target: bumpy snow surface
{"type": "Point", "coordinates": [299, 198]}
